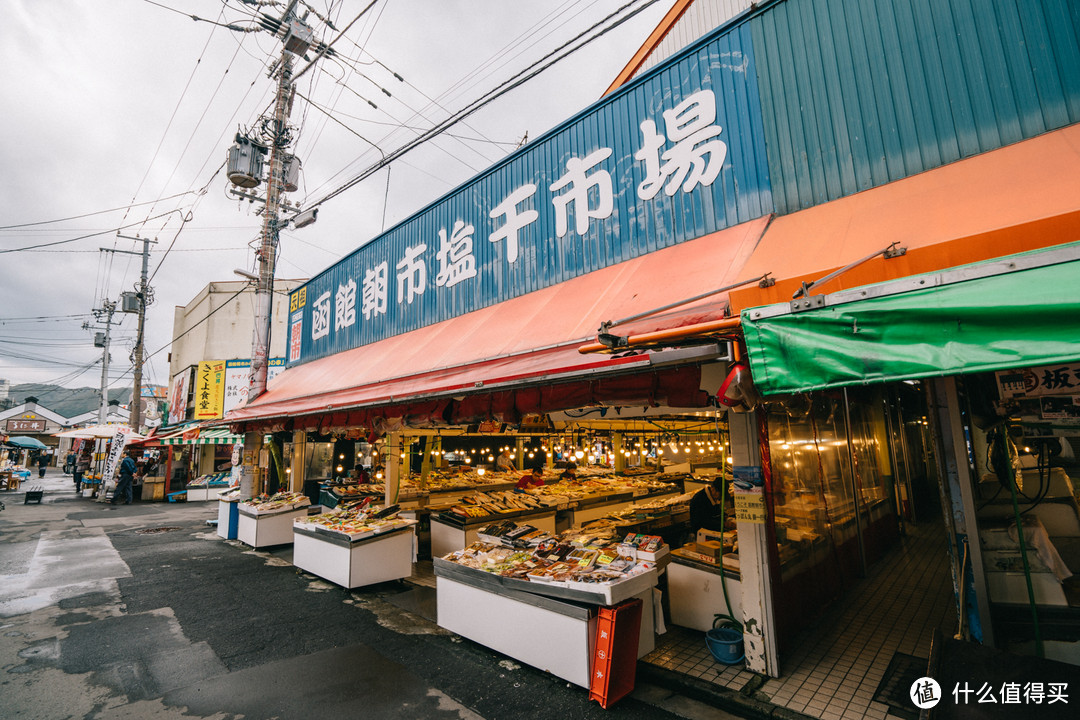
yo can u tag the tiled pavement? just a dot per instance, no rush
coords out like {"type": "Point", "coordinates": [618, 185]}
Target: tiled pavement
{"type": "Point", "coordinates": [832, 670]}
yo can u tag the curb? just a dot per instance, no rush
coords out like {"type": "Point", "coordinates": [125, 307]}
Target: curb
{"type": "Point", "coordinates": [720, 697]}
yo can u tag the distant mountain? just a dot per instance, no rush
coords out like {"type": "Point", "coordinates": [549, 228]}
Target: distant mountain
{"type": "Point", "coordinates": [67, 402]}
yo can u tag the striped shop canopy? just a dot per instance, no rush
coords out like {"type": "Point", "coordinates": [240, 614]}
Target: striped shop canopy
{"type": "Point", "coordinates": [204, 436]}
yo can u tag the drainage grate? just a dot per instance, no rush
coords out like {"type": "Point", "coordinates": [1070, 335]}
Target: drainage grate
{"type": "Point", "coordinates": [151, 531]}
{"type": "Point", "coordinates": [893, 690]}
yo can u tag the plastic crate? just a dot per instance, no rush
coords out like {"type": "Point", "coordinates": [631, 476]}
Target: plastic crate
{"type": "Point", "coordinates": [614, 662]}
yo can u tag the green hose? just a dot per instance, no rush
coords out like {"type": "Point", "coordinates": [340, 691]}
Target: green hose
{"type": "Point", "coordinates": [720, 619]}
{"type": "Point", "coordinates": [1023, 545]}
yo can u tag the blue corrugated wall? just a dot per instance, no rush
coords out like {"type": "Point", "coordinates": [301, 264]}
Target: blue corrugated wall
{"type": "Point", "coordinates": [858, 93]}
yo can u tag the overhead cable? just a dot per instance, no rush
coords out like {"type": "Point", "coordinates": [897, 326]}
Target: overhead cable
{"type": "Point", "coordinates": [514, 82]}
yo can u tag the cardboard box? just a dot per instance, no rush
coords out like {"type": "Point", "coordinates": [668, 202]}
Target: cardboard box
{"type": "Point", "coordinates": [703, 552]}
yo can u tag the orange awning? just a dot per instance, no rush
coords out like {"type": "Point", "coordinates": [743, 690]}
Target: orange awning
{"type": "Point", "coordinates": [529, 339]}
{"type": "Point", "coordinates": [1021, 197]}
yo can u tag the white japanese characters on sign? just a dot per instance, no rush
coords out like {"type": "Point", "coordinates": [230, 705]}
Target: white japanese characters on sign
{"type": "Point", "coordinates": [373, 302]}
{"type": "Point", "coordinates": [345, 305]}
{"type": "Point", "coordinates": [320, 316]}
{"type": "Point", "coordinates": [455, 256]}
{"type": "Point", "coordinates": [579, 181]}
{"type": "Point", "coordinates": [515, 220]}
{"type": "Point", "coordinates": [697, 156]}
{"type": "Point", "coordinates": [685, 155]}
{"type": "Point", "coordinates": [411, 274]}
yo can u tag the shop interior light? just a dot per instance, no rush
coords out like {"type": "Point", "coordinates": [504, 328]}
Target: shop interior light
{"type": "Point", "coordinates": [378, 476]}
{"type": "Point", "coordinates": [491, 458]}
{"type": "Point", "coordinates": [480, 471]}
{"type": "Point", "coordinates": [579, 454]}
{"type": "Point", "coordinates": [468, 460]}
{"type": "Point", "coordinates": [339, 468]}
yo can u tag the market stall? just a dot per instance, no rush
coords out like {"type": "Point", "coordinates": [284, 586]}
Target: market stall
{"type": "Point", "coordinates": [353, 547]}
{"type": "Point", "coordinates": [207, 487]}
{"type": "Point", "coordinates": [535, 596]}
{"type": "Point", "coordinates": [263, 522]}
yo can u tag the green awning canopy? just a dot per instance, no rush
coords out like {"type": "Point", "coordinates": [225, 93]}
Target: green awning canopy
{"type": "Point", "coordinates": [206, 436]}
{"type": "Point", "coordinates": [1017, 311]}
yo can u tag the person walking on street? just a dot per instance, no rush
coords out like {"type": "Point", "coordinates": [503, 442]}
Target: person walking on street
{"type": "Point", "coordinates": [127, 477]}
{"type": "Point", "coordinates": [42, 463]}
{"type": "Point", "coordinates": [82, 465]}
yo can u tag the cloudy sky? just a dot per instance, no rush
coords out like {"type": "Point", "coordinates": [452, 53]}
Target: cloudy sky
{"type": "Point", "coordinates": [118, 116]}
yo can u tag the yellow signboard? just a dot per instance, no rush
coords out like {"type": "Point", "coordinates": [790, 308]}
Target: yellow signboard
{"type": "Point", "coordinates": [750, 507]}
{"type": "Point", "coordinates": [209, 389]}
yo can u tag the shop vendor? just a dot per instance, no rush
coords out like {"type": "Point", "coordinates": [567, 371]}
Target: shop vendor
{"type": "Point", "coordinates": [533, 479]}
{"type": "Point", "coordinates": [706, 510]}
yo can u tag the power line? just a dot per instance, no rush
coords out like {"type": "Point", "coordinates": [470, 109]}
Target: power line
{"type": "Point", "coordinates": [516, 81]}
{"type": "Point", "coordinates": [91, 214]}
{"type": "Point", "coordinates": [84, 237]}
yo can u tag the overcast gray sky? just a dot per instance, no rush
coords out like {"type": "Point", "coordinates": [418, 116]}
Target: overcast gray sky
{"type": "Point", "coordinates": [129, 106]}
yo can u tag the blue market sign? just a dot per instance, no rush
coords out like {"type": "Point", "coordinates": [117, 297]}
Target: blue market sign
{"type": "Point", "coordinates": [678, 154]}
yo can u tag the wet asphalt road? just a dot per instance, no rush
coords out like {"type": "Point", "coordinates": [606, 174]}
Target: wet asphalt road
{"type": "Point", "coordinates": [101, 619]}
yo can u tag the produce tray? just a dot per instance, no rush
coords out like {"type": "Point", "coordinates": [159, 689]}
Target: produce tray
{"type": "Point", "coordinates": [336, 538]}
{"type": "Point", "coordinates": [595, 595]}
{"type": "Point", "coordinates": [249, 512]}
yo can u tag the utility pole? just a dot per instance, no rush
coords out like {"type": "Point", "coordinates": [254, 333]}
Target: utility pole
{"type": "Point", "coordinates": [296, 37]}
{"type": "Point", "coordinates": [267, 253]}
{"type": "Point", "coordinates": [106, 310]}
{"type": "Point", "coordinates": [144, 297]}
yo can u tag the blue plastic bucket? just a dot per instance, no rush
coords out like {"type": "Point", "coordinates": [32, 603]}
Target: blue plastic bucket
{"type": "Point", "coordinates": [726, 645]}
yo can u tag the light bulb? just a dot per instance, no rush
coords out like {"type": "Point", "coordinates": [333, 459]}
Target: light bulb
{"type": "Point", "coordinates": [480, 471]}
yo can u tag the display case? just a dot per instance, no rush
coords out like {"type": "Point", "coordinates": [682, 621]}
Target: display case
{"type": "Point", "coordinates": [263, 522]}
{"type": "Point", "coordinates": [450, 533]}
{"type": "Point", "coordinates": [355, 563]}
{"type": "Point", "coordinates": [831, 477]}
{"type": "Point", "coordinates": [547, 627]}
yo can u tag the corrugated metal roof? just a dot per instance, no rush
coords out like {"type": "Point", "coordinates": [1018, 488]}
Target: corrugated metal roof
{"type": "Point", "coordinates": [857, 94]}
{"type": "Point", "coordinates": [701, 18]}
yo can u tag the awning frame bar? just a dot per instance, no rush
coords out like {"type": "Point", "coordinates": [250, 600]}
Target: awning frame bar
{"type": "Point", "coordinates": [611, 340]}
{"type": "Point", "coordinates": [804, 291]}
{"type": "Point", "coordinates": [983, 269]}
